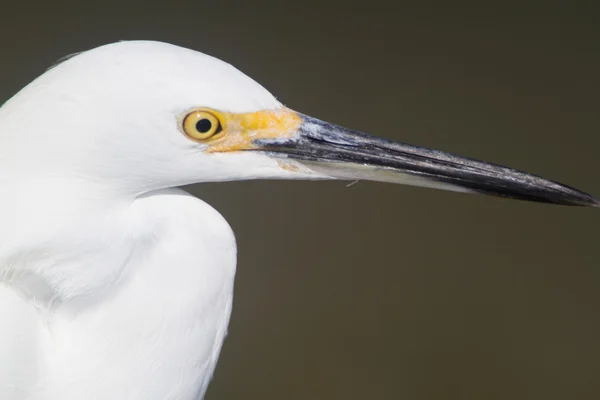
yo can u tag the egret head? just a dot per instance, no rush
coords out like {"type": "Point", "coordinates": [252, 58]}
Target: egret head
{"type": "Point", "coordinates": [133, 117]}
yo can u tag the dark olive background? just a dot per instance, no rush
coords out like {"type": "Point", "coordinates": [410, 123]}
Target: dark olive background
{"type": "Point", "coordinates": [379, 291]}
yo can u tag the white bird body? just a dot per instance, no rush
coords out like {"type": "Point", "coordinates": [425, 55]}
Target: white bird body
{"type": "Point", "coordinates": [115, 285]}
{"type": "Point", "coordinates": [170, 304]}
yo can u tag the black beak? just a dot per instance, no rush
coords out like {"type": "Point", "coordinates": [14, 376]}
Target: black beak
{"type": "Point", "coordinates": [347, 154]}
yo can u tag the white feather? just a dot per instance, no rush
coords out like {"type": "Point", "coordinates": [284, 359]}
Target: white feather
{"type": "Point", "coordinates": [154, 332]}
{"type": "Point", "coordinates": [113, 286]}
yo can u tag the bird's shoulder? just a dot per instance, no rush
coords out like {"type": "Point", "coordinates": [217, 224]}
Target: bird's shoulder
{"type": "Point", "coordinates": [175, 211]}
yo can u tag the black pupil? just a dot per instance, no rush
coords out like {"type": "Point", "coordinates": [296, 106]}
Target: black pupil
{"type": "Point", "coordinates": [204, 125]}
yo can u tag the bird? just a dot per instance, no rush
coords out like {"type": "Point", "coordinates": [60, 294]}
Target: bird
{"type": "Point", "coordinates": [114, 282]}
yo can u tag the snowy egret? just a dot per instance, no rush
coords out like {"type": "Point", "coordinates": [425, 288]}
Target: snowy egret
{"type": "Point", "coordinates": [117, 285]}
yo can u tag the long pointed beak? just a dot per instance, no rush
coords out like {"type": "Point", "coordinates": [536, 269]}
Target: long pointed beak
{"type": "Point", "coordinates": [348, 154]}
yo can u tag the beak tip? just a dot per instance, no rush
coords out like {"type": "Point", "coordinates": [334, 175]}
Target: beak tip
{"type": "Point", "coordinates": [584, 200]}
{"type": "Point", "coordinates": [594, 203]}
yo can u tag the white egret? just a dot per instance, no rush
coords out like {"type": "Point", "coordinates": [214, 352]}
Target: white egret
{"type": "Point", "coordinates": [113, 283]}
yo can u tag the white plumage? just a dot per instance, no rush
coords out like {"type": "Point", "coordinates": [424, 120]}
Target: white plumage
{"type": "Point", "coordinates": [115, 285]}
{"type": "Point", "coordinates": [156, 329]}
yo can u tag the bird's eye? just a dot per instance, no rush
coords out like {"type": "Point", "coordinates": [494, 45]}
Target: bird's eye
{"type": "Point", "coordinates": [201, 125]}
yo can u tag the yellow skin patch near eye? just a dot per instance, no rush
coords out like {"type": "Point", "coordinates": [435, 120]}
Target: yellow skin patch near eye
{"type": "Point", "coordinates": [241, 130]}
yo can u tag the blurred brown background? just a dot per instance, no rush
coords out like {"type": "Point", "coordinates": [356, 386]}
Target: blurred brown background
{"type": "Point", "coordinates": [379, 291]}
